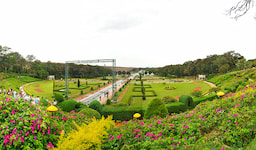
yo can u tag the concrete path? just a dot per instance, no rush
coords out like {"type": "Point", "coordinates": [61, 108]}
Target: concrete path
{"type": "Point", "coordinates": [211, 84]}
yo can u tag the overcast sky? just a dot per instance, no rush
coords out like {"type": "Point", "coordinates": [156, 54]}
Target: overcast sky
{"type": "Point", "coordinates": [137, 33]}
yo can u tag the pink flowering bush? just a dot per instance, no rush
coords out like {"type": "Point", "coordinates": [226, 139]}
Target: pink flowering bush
{"type": "Point", "coordinates": [28, 126]}
{"type": "Point", "coordinates": [228, 122]}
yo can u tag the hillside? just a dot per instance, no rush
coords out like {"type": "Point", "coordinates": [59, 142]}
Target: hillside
{"type": "Point", "coordinates": [234, 81]}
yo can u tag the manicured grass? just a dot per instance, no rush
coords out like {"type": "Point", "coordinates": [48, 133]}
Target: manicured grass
{"type": "Point", "coordinates": [46, 88]}
{"type": "Point", "coordinates": [16, 82]}
{"type": "Point", "coordinates": [41, 89]}
{"type": "Point", "coordinates": [184, 88]}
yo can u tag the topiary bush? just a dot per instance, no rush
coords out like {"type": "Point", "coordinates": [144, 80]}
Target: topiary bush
{"type": "Point", "coordinates": [68, 105]}
{"type": "Point", "coordinates": [156, 107]}
{"type": "Point", "coordinates": [58, 97]}
{"type": "Point", "coordinates": [108, 101]}
{"type": "Point", "coordinates": [79, 106]}
{"type": "Point", "coordinates": [187, 100]}
{"type": "Point", "coordinates": [96, 106]}
{"type": "Point", "coordinates": [89, 112]}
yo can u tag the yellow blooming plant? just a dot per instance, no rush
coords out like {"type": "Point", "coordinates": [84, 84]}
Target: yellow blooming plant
{"type": "Point", "coordinates": [86, 136]}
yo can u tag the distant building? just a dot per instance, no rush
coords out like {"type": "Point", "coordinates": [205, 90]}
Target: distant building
{"type": "Point", "coordinates": [51, 77]}
{"type": "Point", "coordinates": [201, 77]}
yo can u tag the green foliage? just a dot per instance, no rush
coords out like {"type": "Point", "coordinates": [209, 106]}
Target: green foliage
{"type": "Point", "coordinates": [156, 107]}
{"type": "Point", "coordinates": [27, 126]}
{"type": "Point", "coordinates": [108, 102]}
{"type": "Point", "coordinates": [96, 106]}
{"type": "Point", "coordinates": [43, 102]}
{"type": "Point", "coordinates": [58, 97]}
{"type": "Point", "coordinates": [123, 113]}
{"type": "Point", "coordinates": [198, 100]}
{"type": "Point", "coordinates": [169, 99]}
{"type": "Point", "coordinates": [68, 105]}
{"type": "Point", "coordinates": [197, 93]}
{"type": "Point", "coordinates": [78, 83]}
{"type": "Point", "coordinates": [187, 100]}
{"type": "Point", "coordinates": [175, 107]}
{"type": "Point", "coordinates": [90, 113]}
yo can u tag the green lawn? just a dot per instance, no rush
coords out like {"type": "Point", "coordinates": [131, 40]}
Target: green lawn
{"type": "Point", "coordinates": [183, 88]}
{"type": "Point", "coordinates": [16, 82]}
{"type": "Point", "coordinates": [46, 88]}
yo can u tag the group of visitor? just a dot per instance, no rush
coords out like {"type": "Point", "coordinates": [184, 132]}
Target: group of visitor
{"type": "Point", "coordinates": [23, 94]}
{"type": "Point", "coordinates": [9, 92]}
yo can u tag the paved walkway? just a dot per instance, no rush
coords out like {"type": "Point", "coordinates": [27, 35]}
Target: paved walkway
{"type": "Point", "coordinates": [211, 84]}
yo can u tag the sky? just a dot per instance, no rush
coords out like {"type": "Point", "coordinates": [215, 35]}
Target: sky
{"type": "Point", "coordinates": [137, 33]}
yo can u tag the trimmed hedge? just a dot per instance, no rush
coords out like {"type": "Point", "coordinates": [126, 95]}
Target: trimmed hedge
{"type": "Point", "coordinates": [198, 100]}
{"type": "Point", "coordinates": [124, 113]}
{"type": "Point", "coordinates": [175, 107]}
{"type": "Point", "coordinates": [187, 100]}
{"type": "Point", "coordinates": [68, 105]}
{"type": "Point", "coordinates": [89, 112]}
{"type": "Point", "coordinates": [156, 107]}
{"type": "Point", "coordinates": [96, 106]}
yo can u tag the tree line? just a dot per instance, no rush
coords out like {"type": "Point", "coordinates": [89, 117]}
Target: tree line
{"type": "Point", "coordinates": [213, 64]}
{"type": "Point", "coordinates": [14, 62]}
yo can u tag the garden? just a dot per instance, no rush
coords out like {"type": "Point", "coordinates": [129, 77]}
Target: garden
{"type": "Point", "coordinates": [77, 87]}
{"type": "Point", "coordinates": [172, 116]}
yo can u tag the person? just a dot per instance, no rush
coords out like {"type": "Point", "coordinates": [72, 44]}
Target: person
{"type": "Point", "coordinates": [37, 99]}
{"type": "Point", "coordinates": [55, 102]}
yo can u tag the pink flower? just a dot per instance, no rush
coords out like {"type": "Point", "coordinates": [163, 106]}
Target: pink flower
{"type": "Point", "coordinates": [137, 136]}
{"type": "Point", "coordinates": [119, 136]}
{"type": "Point", "coordinates": [171, 125]}
{"type": "Point", "coordinates": [35, 137]}
{"type": "Point", "coordinates": [32, 115]}
{"type": "Point", "coordinates": [22, 139]}
{"type": "Point", "coordinates": [111, 138]}
{"type": "Point", "coordinates": [235, 115]}
{"type": "Point", "coordinates": [4, 112]}
{"type": "Point", "coordinates": [49, 145]}
{"type": "Point", "coordinates": [27, 134]}
{"type": "Point", "coordinates": [185, 138]}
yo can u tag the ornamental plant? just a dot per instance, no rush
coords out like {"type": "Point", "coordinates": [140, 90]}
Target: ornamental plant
{"type": "Point", "coordinates": [225, 123]}
{"type": "Point", "coordinates": [28, 126]}
{"type": "Point", "coordinates": [156, 107]}
{"type": "Point", "coordinates": [86, 136]}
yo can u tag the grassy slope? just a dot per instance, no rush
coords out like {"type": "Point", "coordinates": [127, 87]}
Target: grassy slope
{"type": "Point", "coordinates": [229, 79]}
{"type": "Point", "coordinates": [14, 81]}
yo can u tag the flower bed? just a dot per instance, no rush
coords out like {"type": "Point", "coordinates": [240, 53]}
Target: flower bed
{"type": "Point", "coordinates": [224, 123]}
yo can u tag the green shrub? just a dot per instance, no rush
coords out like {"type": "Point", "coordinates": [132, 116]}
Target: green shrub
{"type": "Point", "coordinates": [79, 106]}
{"type": "Point", "coordinates": [108, 101]}
{"type": "Point", "coordinates": [89, 112]}
{"type": "Point", "coordinates": [197, 93]}
{"type": "Point", "coordinates": [240, 87]}
{"type": "Point", "coordinates": [96, 106]}
{"type": "Point", "coordinates": [156, 107]}
{"type": "Point", "coordinates": [175, 107]}
{"type": "Point", "coordinates": [68, 105]}
{"type": "Point", "coordinates": [58, 97]}
{"type": "Point", "coordinates": [169, 99]}
{"type": "Point", "coordinates": [123, 113]}
{"type": "Point", "coordinates": [198, 100]}
{"type": "Point", "coordinates": [44, 102]}
{"type": "Point", "coordinates": [187, 100]}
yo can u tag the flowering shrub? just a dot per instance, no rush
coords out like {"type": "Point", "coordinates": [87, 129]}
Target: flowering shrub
{"type": "Point", "coordinates": [86, 136]}
{"type": "Point", "coordinates": [28, 126]}
{"type": "Point", "coordinates": [224, 123]}
{"type": "Point", "coordinates": [169, 99]}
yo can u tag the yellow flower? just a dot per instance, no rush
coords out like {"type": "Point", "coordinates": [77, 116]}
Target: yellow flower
{"type": "Point", "coordinates": [220, 93]}
{"type": "Point", "coordinates": [52, 108]}
{"type": "Point", "coordinates": [136, 115]}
